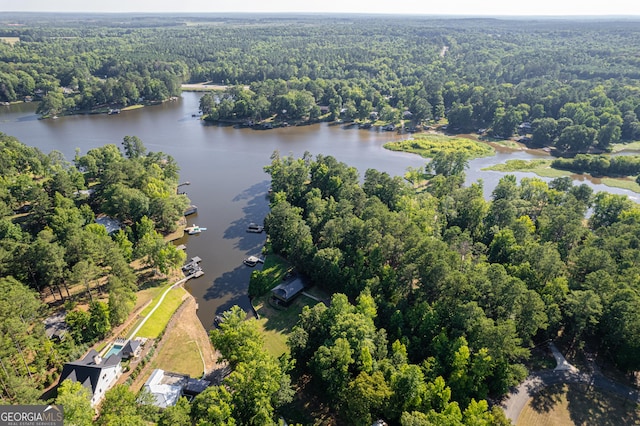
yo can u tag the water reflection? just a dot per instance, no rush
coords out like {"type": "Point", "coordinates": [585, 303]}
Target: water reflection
{"type": "Point", "coordinates": [225, 167]}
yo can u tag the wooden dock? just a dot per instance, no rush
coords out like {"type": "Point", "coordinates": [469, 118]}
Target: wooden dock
{"type": "Point", "coordinates": [192, 269]}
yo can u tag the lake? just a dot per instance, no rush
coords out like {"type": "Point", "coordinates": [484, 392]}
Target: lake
{"type": "Point", "coordinates": [225, 168]}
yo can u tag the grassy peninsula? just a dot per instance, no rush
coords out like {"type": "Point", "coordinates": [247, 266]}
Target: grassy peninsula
{"type": "Point", "coordinates": [543, 168]}
{"type": "Point", "coordinates": [428, 145]}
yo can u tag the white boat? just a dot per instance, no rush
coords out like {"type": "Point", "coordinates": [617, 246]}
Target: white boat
{"type": "Point", "coordinates": [252, 261]}
{"type": "Point", "coordinates": [194, 229]}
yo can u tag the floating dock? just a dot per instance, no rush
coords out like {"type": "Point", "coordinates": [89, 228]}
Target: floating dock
{"type": "Point", "coordinates": [191, 210]}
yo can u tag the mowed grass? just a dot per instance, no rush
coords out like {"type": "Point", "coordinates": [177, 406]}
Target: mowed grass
{"type": "Point", "coordinates": [631, 146]}
{"type": "Point", "coordinates": [568, 405]}
{"type": "Point", "coordinates": [159, 319]}
{"type": "Point", "coordinates": [149, 295]}
{"type": "Point", "coordinates": [276, 323]}
{"type": "Point", "coordinates": [182, 350]}
{"type": "Point", "coordinates": [428, 145]}
{"type": "Point", "coordinates": [132, 107]}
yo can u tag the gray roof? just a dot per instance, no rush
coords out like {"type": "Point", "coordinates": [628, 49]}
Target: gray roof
{"type": "Point", "coordinates": [130, 348]}
{"type": "Point", "coordinates": [55, 325]}
{"type": "Point", "coordinates": [288, 290]}
{"type": "Point", "coordinates": [86, 371]}
{"type": "Point", "coordinates": [195, 386]}
{"type": "Point", "coordinates": [111, 224]}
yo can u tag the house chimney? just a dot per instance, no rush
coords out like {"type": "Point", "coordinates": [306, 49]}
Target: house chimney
{"type": "Point", "coordinates": [97, 359]}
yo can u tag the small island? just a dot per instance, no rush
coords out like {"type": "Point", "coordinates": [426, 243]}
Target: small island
{"type": "Point", "coordinates": [428, 145]}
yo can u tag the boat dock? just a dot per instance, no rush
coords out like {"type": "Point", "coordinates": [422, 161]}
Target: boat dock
{"type": "Point", "coordinates": [192, 209]}
{"type": "Point", "coordinates": [193, 268]}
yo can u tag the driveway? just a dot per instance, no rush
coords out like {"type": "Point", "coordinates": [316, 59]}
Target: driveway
{"type": "Point", "coordinates": [563, 373]}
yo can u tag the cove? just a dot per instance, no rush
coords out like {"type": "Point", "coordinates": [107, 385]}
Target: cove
{"type": "Point", "coordinates": [225, 168]}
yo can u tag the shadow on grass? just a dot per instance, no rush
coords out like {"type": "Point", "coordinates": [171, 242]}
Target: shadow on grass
{"type": "Point", "coordinates": [546, 400]}
{"type": "Point", "coordinates": [589, 406]}
{"type": "Point", "coordinates": [584, 405]}
{"type": "Point", "coordinates": [278, 317]}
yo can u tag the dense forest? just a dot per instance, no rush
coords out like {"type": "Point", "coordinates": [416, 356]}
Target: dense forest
{"type": "Point", "coordinates": [570, 84]}
{"type": "Point", "coordinates": [52, 248]}
{"type": "Point", "coordinates": [439, 294]}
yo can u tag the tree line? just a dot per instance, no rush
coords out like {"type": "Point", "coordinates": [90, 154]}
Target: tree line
{"type": "Point", "coordinates": [51, 246]}
{"type": "Point", "coordinates": [439, 294]}
{"type": "Point", "coordinates": [573, 83]}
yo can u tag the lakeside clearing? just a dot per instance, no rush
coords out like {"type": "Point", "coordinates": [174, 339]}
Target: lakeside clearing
{"type": "Point", "coordinates": [185, 347]}
{"type": "Point", "coordinates": [428, 145]}
{"type": "Point", "coordinates": [275, 321]}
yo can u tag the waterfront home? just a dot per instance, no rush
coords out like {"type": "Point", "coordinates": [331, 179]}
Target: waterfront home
{"type": "Point", "coordinates": [167, 387]}
{"type": "Point", "coordinates": [287, 291]}
{"type": "Point", "coordinates": [97, 375]}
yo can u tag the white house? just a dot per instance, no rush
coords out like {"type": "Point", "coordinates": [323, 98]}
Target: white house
{"type": "Point", "coordinates": [94, 373]}
{"type": "Point", "coordinates": [167, 387]}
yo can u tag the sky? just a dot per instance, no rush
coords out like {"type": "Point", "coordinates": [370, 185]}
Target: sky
{"type": "Point", "coordinates": [414, 7]}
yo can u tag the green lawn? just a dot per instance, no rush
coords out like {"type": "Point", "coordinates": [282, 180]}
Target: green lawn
{"type": "Point", "coordinates": [159, 319]}
{"type": "Point", "coordinates": [132, 107]}
{"type": "Point", "coordinates": [567, 405]}
{"type": "Point", "coordinates": [539, 167]}
{"type": "Point", "coordinates": [629, 184]}
{"type": "Point", "coordinates": [543, 168]}
{"type": "Point", "coordinates": [428, 145]}
{"type": "Point", "coordinates": [151, 294]}
{"type": "Point", "coordinates": [631, 146]}
{"type": "Point", "coordinates": [276, 322]}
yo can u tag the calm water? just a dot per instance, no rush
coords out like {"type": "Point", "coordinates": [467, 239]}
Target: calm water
{"type": "Point", "coordinates": [225, 168]}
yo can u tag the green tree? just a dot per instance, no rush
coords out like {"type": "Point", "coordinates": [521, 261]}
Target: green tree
{"type": "Point", "coordinates": [99, 322]}
{"type": "Point", "coordinates": [133, 147]}
{"type": "Point", "coordinates": [213, 407]}
{"type": "Point", "coordinates": [76, 402]}
{"type": "Point", "coordinates": [577, 138]}
{"type": "Point", "coordinates": [368, 396]}
{"type": "Point", "coordinates": [52, 103]}
{"type": "Point", "coordinates": [177, 415]}
{"type": "Point", "coordinates": [120, 404]}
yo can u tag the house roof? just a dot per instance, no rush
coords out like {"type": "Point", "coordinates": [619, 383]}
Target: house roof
{"type": "Point", "coordinates": [86, 371]}
{"type": "Point", "coordinates": [166, 388]}
{"type": "Point", "coordinates": [131, 347]}
{"type": "Point", "coordinates": [110, 223]}
{"type": "Point", "coordinates": [55, 325]}
{"type": "Point", "coordinates": [287, 290]}
{"type": "Point", "coordinates": [196, 386]}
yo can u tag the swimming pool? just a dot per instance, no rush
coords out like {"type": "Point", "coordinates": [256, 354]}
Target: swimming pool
{"type": "Point", "coordinates": [114, 350]}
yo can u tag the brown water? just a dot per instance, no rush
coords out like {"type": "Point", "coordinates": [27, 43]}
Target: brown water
{"type": "Point", "coordinates": [225, 168]}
